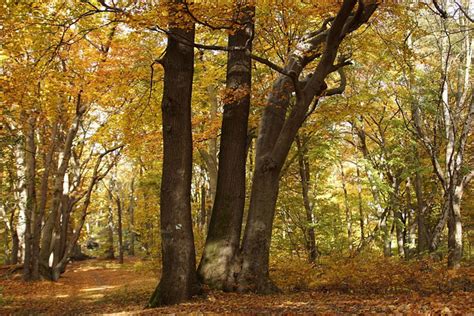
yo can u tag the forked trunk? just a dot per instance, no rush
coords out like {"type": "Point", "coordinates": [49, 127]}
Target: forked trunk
{"type": "Point", "coordinates": [278, 130]}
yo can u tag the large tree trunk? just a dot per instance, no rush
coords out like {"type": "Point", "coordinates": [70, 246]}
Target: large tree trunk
{"type": "Point", "coordinates": [222, 244]}
{"type": "Point", "coordinates": [179, 280]}
{"type": "Point", "coordinates": [254, 275]}
{"type": "Point", "coordinates": [278, 130]}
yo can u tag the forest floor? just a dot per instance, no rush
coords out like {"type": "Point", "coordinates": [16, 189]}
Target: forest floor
{"type": "Point", "coordinates": [105, 287]}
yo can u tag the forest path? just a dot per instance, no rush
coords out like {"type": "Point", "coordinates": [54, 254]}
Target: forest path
{"type": "Point", "coordinates": [91, 286]}
{"type": "Point", "coordinates": [105, 287]}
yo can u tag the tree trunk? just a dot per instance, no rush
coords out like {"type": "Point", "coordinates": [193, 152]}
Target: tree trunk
{"type": "Point", "coordinates": [37, 221]}
{"type": "Point", "coordinates": [119, 228]}
{"type": "Point", "coordinates": [15, 247]}
{"type": "Point", "coordinates": [99, 172]}
{"type": "Point", "coordinates": [455, 229]}
{"type": "Point", "coordinates": [304, 170]}
{"type": "Point", "coordinates": [410, 223]}
{"type": "Point", "coordinates": [61, 245]}
{"type": "Point", "coordinates": [347, 207]}
{"type": "Point", "coordinates": [386, 234]}
{"type": "Point", "coordinates": [382, 213]}
{"type": "Point", "coordinates": [361, 208]}
{"type": "Point", "coordinates": [110, 252]}
{"type": "Point", "coordinates": [179, 280]}
{"type": "Point", "coordinates": [276, 134]}
{"type": "Point", "coordinates": [422, 233]}
{"type": "Point", "coordinates": [50, 231]}
{"type": "Point", "coordinates": [29, 271]}
{"type": "Point", "coordinates": [254, 275]}
{"type": "Point", "coordinates": [203, 209]}
{"type": "Point", "coordinates": [131, 220]}
{"type": "Point", "coordinates": [398, 219]}
{"type": "Point", "coordinates": [399, 229]}
{"type": "Point", "coordinates": [20, 197]}
{"type": "Point", "coordinates": [222, 244]}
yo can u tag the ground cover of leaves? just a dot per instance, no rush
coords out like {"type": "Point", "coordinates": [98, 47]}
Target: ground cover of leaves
{"type": "Point", "coordinates": [343, 287]}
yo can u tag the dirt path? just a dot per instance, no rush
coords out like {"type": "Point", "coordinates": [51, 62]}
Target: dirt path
{"type": "Point", "coordinates": [105, 287]}
{"type": "Point", "coordinates": [94, 286]}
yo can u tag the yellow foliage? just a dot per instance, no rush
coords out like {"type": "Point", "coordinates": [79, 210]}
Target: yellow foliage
{"type": "Point", "coordinates": [371, 273]}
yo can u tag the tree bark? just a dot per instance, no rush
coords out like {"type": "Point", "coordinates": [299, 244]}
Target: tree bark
{"type": "Point", "coordinates": [110, 251]}
{"type": "Point", "coordinates": [399, 221]}
{"type": "Point", "coordinates": [20, 197]}
{"type": "Point", "coordinates": [118, 202]}
{"type": "Point", "coordinates": [43, 194]}
{"type": "Point", "coordinates": [217, 266]}
{"type": "Point", "coordinates": [361, 208]}
{"type": "Point", "coordinates": [131, 220]}
{"type": "Point", "coordinates": [203, 210]}
{"type": "Point", "coordinates": [51, 225]}
{"type": "Point", "coordinates": [421, 207]}
{"type": "Point", "coordinates": [347, 207]}
{"type": "Point", "coordinates": [15, 247]}
{"type": "Point", "coordinates": [179, 280]}
{"type": "Point", "coordinates": [29, 272]}
{"type": "Point", "coordinates": [455, 229]}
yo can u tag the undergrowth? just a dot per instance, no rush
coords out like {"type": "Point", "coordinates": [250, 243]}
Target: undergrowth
{"type": "Point", "coordinates": [372, 274]}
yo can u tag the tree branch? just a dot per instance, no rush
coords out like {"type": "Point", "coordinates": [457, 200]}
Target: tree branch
{"type": "Point", "coordinates": [342, 85]}
{"type": "Point", "coordinates": [245, 49]}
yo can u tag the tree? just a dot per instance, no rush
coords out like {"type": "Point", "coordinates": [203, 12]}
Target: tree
{"type": "Point", "coordinates": [277, 130]}
{"type": "Point", "coordinates": [178, 276]}
{"type": "Point", "coordinates": [221, 250]}
{"type": "Point", "coordinates": [442, 117]}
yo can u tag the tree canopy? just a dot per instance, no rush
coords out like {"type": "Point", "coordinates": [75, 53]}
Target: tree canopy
{"type": "Point", "coordinates": [215, 141]}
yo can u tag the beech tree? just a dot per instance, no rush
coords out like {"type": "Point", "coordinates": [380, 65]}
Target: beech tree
{"type": "Point", "coordinates": [178, 277]}
{"type": "Point", "coordinates": [454, 119]}
{"type": "Point", "coordinates": [278, 129]}
{"type": "Point", "coordinates": [363, 138]}
{"type": "Point", "coordinates": [221, 251]}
